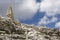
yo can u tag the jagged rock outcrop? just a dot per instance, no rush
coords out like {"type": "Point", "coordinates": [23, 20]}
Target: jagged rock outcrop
{"type": "Point", "coordinates": [12, 30]}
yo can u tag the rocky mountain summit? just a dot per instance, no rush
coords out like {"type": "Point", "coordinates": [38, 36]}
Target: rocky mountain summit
{"type": "Point", "coordinates": [11, 29]}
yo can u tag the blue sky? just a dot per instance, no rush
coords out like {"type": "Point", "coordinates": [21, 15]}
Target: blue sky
{"type": "Point", "coordinates": [34, 12]}
{"type": "Point", "coordinates": [35, 19]}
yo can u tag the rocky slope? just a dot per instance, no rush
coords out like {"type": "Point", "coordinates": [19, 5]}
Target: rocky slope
{"type": "Point", "coordinates": [13, 30]}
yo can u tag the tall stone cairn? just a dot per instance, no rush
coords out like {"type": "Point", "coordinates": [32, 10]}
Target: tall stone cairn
{"type": "Point", "coordinates": [10, 13]}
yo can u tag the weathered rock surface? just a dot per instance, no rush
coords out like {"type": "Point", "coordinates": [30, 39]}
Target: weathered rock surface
{"type": "Point", "coordinates": [11, 29]}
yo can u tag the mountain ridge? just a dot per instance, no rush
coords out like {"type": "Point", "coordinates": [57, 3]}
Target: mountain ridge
{"type": "Point", "coordinates": [13, 30]}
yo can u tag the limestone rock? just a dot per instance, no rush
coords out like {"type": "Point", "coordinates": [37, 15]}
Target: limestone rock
{"type": "Point", "coordinates": [10, 13]}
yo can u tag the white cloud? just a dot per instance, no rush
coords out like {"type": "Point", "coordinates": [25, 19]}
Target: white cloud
{"type": "Point", "coordinates": [23, 9]}
{"type": "Point", "coordinates": [45, 20]}
{"type": "Point", "coordinates": [54, 19]}
{"type": "Point", "coordinates": [51, 7]}
{"type": "Point", "coordinates": [27, 9]}
{"type": "Point", "coordinates": [57, 25]}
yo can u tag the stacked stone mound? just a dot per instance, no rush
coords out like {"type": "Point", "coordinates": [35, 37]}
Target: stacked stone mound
{"type": "Point", "coordinates": [10, 30]}
{"type": "Point", "coordinates": [7, 26]}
